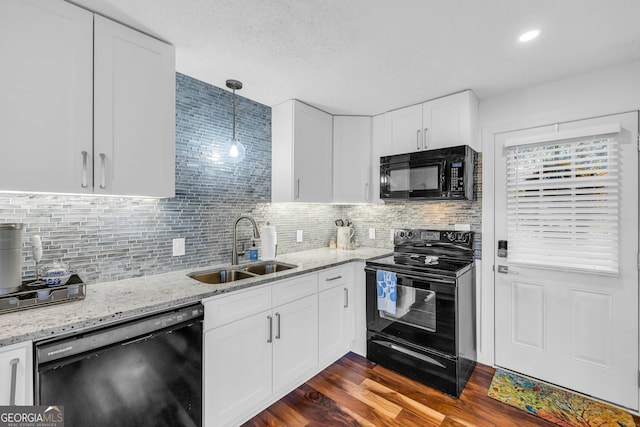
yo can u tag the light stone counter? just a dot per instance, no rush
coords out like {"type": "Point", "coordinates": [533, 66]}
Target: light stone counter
{"type": "Point", "coordinates": [119, 300]}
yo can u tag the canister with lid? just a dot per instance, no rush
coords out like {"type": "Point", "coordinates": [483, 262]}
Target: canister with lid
{"type": "Point", "coordinates": [10, 257]}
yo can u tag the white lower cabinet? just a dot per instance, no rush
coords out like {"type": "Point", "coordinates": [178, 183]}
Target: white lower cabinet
{"type": "Point", "coordinates": [250, 357]}
{"type": "Point", "coordinates": [16, 374]}
{"type": "Point", "coordinates": [335, 306]}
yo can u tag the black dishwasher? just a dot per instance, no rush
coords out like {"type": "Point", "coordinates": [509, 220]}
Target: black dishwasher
{"type": "Point", "coordinates": [144, 372]}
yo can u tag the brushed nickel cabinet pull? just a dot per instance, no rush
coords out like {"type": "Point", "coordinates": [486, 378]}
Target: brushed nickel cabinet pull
{"type": "Point", "coordinates": [103, 164]}
{"type": "Point", "coordinates": [418, 140]}
{"type": "Point", "coordinates": [425, 143]}
{"type": "Point", "coordinates": [331, 279]}
{"type": "Point", "coordinates": [84, 169]}
{"type": "Point", "coordinates": [14, 375]}
{"type": "Point", "coordinates": [270, 319]}
{"type": "Point", "coordinates": [278, 325]}
{"type": "Point", "coordinates": [346, 298]}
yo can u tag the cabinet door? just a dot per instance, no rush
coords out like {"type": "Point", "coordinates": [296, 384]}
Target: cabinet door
{"type": "Point", "coordinates": [237, 369]}
{"type": "Point", "coordinates": [312, 154]}
{"type": "Point", "coordinates": [295, 343]}
{"type": "Point", "coordinates": [335, 323]}
{"type": "Point", "coordinates": [16, 374]}
{"type": "Point", "coordinates": [405, 127]}
{"type": "Point", "coordinates": [447, 121]}
{"type": "Point", "coordinates": [351, 159]}
{"type": "Point", "coordinates": [134, 112]}
{"type": "Point", "coordinates": [46, 96]}
{"type": "Point", "coordinates": [380, 146]}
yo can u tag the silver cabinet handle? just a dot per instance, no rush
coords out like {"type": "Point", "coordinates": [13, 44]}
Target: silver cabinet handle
{"type": "Point", "coordinates": [425, 142]}
{"type": "Point", "coordinates": [366, 192]}
{"type": "Point", "coordinates": [331, 279]}
{"type": "Point", "coordinates": [278, 325]}
{"type": "Point", "coordinates": [504, 269]}
{"type": "Point", "coordinates": [346, 298]}
{"type": "Point", "coordinates": [297, 196]}
{"type": "Point", "coordinates": [103, 164]}
{"type": "Point", "coordinates": [418, 139]}
{"type": "Point", "coordinates": [84, 169]}
{"type": "Point", "coordinates": [270, 319]}
{"type": "Point", "coordinates": [14, 375]}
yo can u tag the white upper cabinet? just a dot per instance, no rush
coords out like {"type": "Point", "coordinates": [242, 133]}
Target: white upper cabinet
{"type": "Point", "coordinates": [64, 132]}
{"type": "Point", "coordinates": [380, 146]}
{"type": "Point", "coordinates": [351, 159]}
{"type": "Point", "coordinates": [444, 122]}
{"type": "Point", "coordinates": [134, 86]}
{"type": "Point", "coordinates": [449, 121]}
{"type": "Point", "coordinates": [46, 96]}
{"type": "Point", "coordinates": [405, 127]}
{"type": "Point", "coordinates": [301, 153]}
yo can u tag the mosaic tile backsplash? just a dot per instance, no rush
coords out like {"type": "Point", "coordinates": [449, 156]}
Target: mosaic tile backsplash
{"type": "Point", "coordinates": [109, 238]}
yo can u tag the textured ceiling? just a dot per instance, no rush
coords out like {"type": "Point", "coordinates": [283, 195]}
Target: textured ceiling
{"type": "Point", "coordinates": [370, 56]}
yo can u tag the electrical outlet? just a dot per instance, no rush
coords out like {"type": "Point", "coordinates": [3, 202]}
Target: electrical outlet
{"type": "Point", "coordinates": [372, 233]}
{"type": "Point", "coordinates": [299, 236]}
{"type": "Point", "coordinates": [178, 246]}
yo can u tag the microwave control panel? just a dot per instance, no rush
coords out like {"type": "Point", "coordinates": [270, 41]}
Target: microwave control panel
{"type": "Point", "coordinates": [457, 176]}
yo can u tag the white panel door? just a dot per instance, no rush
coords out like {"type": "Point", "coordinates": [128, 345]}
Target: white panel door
{"type": "Point", "coordinates": [237, 369]}
{"type": "Point", "coordinates": [16, 374]}
{"type": "Point", "coordinates": [575, 329]}
{"type": "Point", "coordinates": [336, 323]}
{"type": "Point", "coordinates": [46, 96]}
{"type": "Point", "coordinates": [405, 127]}
{"type": "Point", "coordinates": [351, 159]}
{"type": "Point", "coordinates": [134, 112]}
{"type": "Point", "coordinates": [295, 341]}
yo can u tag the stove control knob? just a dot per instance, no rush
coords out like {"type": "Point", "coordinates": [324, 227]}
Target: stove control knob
{"type": "Point", "coordinates": [451, 236]}
{"type": "Point", "coordinates": [409, 234]}
{"type": "Point", "coordinates": [401, 234]}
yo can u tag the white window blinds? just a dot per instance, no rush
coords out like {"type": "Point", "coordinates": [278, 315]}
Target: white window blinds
{"type": "Point", "coordinates": [562, 203]}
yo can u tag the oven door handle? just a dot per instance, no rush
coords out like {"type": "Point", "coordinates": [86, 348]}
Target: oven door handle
{"type": "Point", "coordinates": [414, 277]}
{"type": "Point", "coordinates": [408, 352]}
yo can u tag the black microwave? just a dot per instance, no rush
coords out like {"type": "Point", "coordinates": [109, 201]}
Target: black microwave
{"type": "Point", "coordinates": [442, 174]}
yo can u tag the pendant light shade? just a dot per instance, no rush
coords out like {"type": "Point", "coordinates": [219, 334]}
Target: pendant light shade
{"type": "Point", "coordinates": [234, 150]}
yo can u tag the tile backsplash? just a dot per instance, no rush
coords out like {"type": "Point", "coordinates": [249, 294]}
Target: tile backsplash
{"type": "Point", "coordinates": [109, 238]}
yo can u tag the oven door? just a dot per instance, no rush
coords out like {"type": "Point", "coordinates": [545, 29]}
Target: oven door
{"type": "Point", "coordinates": [425, 311]}
{"type": "Point", "coordinates": [405, 177]}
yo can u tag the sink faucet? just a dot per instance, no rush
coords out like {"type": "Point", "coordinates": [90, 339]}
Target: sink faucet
{"type": "Point", "coordinates": [256, 234]}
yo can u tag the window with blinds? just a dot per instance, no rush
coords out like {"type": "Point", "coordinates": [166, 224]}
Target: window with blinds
{"type": "Point", "coordinates": [562, 203]}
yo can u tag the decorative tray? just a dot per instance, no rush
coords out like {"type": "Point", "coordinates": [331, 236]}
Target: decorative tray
{"type": "Point", "coordinates": [32, 295]}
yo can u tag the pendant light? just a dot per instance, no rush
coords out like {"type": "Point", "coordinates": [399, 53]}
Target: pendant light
{"type": "Point", "coordinates": [234, 150]}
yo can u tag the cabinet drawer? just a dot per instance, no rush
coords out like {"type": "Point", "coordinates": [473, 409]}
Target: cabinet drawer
{"type": "Point", "coordinates": [337, 276]}
{"type": "Point", "coordinates": [223, 310]}
{"type": "Point", "coordinates": [292, 289]}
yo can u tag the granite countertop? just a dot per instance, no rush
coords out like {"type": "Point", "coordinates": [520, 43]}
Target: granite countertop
{"type": "Point", "coordinates": [109, 302]}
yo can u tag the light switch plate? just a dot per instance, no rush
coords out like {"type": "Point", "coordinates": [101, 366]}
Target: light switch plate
{"type": "Point", "coordinates": [178, 246]}
{"type": "Point", "coordinates": [372, 233]}
{"type": "Point", "coordinates": [299, 236]}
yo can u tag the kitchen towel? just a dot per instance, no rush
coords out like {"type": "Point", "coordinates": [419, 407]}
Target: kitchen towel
{"type": "Point", "coordinates": [269, 240]}
{"type": "Point", "coordinates": [386, 284]}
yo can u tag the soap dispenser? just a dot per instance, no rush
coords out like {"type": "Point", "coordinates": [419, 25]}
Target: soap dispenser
{"type": "Point", "coordinates": [253, 252]}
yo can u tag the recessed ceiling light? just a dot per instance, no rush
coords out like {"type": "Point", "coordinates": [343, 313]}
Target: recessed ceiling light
{"type": "Point", "coordinates": [529, 35]}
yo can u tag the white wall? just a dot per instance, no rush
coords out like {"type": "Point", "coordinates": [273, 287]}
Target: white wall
{"type": "Point", "coordinates": [603, 92]}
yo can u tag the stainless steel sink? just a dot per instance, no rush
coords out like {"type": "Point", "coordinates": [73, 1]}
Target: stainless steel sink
{"type": "Point", "coordinates": [220, 276]}
{"type": "Point", "coordinates": [239, 272]}
{"type": "Point", "coordinates": [267, 267]}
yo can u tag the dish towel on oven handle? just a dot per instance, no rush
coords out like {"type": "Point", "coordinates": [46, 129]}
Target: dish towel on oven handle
{"type": "Point", "coordinates": [387, 294]}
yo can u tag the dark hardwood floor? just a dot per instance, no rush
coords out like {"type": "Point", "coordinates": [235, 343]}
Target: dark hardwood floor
{"type": "Point", "coordinates": [356, 392]}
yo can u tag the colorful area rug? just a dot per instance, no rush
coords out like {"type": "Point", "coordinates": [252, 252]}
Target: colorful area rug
{"type": "Point", "coordinates": [555, 404]}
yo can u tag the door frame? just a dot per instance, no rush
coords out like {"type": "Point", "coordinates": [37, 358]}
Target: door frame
{"type": "Point", "coordinates": [486, 290]}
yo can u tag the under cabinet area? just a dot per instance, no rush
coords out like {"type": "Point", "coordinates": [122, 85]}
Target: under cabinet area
{"type": "Point", "coordinates": [16, 374]}
{"type": "Point", "coordinates": [72, 125]}
{"type": "Point", "coordinates": [335, 304]}
{"type": "Point", "coordinates": [261, 343]}
{"type": "Point", "coordinates": [442, 122]}
{"type": "Point", "coordinates": [258, 343]}
{"type": "Point", "coordinates": [301, 153]}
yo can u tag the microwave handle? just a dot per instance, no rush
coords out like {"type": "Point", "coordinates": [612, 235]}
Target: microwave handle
{"type": "Point", "coordinates": [418, 139]}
